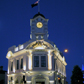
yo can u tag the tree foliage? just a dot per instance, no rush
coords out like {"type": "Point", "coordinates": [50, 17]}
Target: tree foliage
{"type": "Point", "coordinates": [1, 81]}
{"type": "Point", "coordinates": [77, 75]}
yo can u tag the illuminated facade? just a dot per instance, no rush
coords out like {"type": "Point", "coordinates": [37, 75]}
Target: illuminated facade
{"type": "Point", "coordinates": [37, 61]}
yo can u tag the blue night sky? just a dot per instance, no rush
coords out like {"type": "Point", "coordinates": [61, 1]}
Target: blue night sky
{"type": "Point", "coordinates": [66, 27]}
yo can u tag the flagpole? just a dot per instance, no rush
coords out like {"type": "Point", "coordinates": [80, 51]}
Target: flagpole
{"type": "Point", "coordinates": [38, 7]}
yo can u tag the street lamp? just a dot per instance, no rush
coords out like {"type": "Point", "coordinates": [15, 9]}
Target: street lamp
{"type": "Point", "coordinates": [66, 50]}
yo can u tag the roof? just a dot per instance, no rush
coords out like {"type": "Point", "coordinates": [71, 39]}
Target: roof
{"type": "Point", "coordinates": [38, 15]}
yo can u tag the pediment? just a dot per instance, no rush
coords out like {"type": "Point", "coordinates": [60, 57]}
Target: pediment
{"type": "Point", "coordinates": [9, 54]}
{"type": "Point", "coordinates": [39, 45]}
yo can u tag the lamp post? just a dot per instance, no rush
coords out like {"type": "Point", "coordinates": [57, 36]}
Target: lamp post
{"type": "Point", "coordinates": [66, 50]}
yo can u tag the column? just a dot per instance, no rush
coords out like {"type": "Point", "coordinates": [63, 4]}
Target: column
{"type": "Point", "coordinates": [30, 61]}
{"type": "Point", "coordinates": [9, 66]}
{"type": "Point", "coordinates": [14, 65]}
{"type": "Point", "coordinates": [24, 63]}
{"type": "Point", "coordinates": [49, 60]}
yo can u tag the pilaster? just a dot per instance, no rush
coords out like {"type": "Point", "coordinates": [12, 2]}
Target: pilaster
{"type": "Point", "coordinates": [49, 60]}
{"type": "Point", "coordinates": [24, 62]}
{"type": "Point", "coordinates": [14, 66]}
{"type": "Point", "coordinates": [9, 64]}
{"type": "Point", "coordinates": [30, 60]}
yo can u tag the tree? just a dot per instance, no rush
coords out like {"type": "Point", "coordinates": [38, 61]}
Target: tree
{"type": "Point", "coordinates": [2, 82]}
{"type": "Point", "coordinates": [77, 75]}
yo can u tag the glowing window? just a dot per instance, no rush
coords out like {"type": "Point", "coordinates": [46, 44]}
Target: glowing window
{"type": "Point", "coordinates": [21, 47]}
{"type": "Point", "coordinates": [30, 36]}
{"type": "Point", "coordinates": [16, 49]}
{"type": "Point", "coordinates": [47, 35]}
{"type": "Point", "coordinates": [37, 37]}
{"type": "Point", "coordinates": [42, 36]}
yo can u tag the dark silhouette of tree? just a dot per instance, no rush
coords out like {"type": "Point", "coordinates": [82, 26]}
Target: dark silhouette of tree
{"type": "Point", "coordinates": [77, 75]}
{"type": "Point", "coordinates": [2, 82]}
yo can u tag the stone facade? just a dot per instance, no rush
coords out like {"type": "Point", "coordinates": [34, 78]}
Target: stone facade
{"type": "Point", "coordinates": [37, 61]}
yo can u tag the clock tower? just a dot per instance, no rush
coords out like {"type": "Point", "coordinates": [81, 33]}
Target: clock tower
{"type": "Point", "coordinates": [37, 61]}
{"type": "Point", "coordinates": [39, 27]}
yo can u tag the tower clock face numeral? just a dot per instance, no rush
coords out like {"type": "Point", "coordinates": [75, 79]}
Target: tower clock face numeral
{"type": "Point", "coordinates": [39, 24]}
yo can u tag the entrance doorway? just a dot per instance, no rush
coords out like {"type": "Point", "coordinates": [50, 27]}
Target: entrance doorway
{"type": "Point", "coordinates": [40, 82]}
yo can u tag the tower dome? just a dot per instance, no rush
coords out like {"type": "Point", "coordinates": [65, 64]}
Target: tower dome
{"type": "Point", "coordinates": [38, 15]}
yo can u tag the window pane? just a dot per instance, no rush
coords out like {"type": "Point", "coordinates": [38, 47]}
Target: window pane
{"type": "Point", "coordinates": [11, 66]}
{"type": "Point", "coordinates": [43, 61]}
{"type": "Point", "coordinates": [11, 78]}
{"type": "Point", "coordinates": [36, 61]}
{"type": "Point", "coordinates": [17, 64]}
{"type": "Point", "coordinates": [21, 63]}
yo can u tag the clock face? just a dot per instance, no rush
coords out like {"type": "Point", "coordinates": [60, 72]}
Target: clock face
{"type": "Point", "coordinates": [39, 24]}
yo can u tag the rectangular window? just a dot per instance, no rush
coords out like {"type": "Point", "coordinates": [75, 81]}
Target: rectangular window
{"type": "Point", "coordinates": [21, 63]}
{"type": "Point", "coordinates": [11, 66]}
{"type": "Point", "coordinates": [36, 61]}
{"type": "Point", "coordinates": [16, 49]}
{"type": "Point", "coordinates": [41, 36]}
{"type": "Point", "coordinates": [21, 47]}
{"type": "Point", "coordinates": [17, 64]}
{"type": "Point", "coordinates": [11, 78]}
{"type": "Point", "coordinates": [43, 61]}
{"type": "Point", "coordinates": [37, 36]}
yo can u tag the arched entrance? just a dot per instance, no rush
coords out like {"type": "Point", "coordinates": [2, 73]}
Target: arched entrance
{"type": "Point", "coordinates": [16, 82]}
{"type": "Point", "coordinates": [40, 82]}
{"type": "Point", "coordinates": [18, 79]}
{"type": "Point", "coordinates": [40, 79]}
